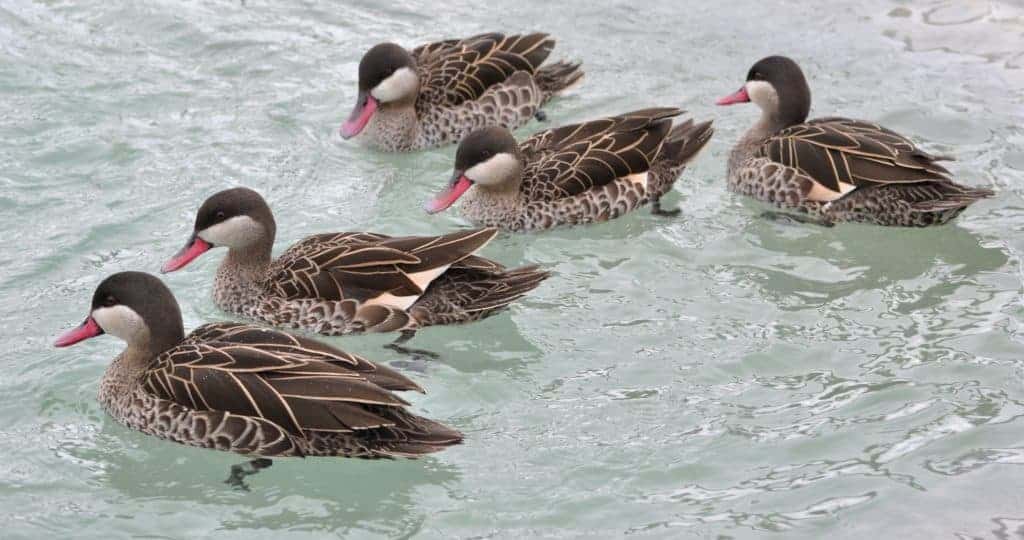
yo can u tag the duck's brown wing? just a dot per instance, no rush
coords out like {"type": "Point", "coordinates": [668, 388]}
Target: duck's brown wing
{"type": "Point", "coordinates": [842, 154]}
{"type": "Point", "coordinates": [570, 160]}
{"type": "Point", "coordinates": [300, 347]}
{"type": "Point", "coordinates": [458, 70]}
{"type": "Point", "coordinates": [290, 387]}
{"type": "Point", "coordinates": [368, 267]}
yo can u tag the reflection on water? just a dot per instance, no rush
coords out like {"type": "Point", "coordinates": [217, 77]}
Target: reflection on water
{"type": "Point", "coordinates": [819, 266]}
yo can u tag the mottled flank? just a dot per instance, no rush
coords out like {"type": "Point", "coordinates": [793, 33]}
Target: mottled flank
{"type": "Point", "coordinates": [594, 171]}
{"type": "Point", "coordinates": [466, 84]}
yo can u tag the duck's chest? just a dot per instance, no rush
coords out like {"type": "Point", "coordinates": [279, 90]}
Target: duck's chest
{"type": "Point", "coordinates": [394, 130]}
{"type": "Point", "coordinates": [130, 405]}
{"type": "Point", "coordinates": [492, 210]}
{"type": "Point", "coordinates": [234, 293]}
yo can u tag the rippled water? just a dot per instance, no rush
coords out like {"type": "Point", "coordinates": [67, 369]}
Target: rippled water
{"type": "Point", "coordinates": [713, 375]}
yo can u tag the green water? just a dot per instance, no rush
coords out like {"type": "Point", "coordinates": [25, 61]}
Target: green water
{"type": "Point", "coordinates": [712, 375]}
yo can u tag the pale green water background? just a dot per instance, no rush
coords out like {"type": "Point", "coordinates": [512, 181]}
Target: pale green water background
{"type": "Point", "coordinates": [713, 375]}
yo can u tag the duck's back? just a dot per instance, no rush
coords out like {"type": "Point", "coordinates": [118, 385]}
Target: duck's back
{"type": "Point", "coordinates": [459, 70]}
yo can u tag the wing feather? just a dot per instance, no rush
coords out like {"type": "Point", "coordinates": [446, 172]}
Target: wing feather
{"type": "Point", "coordinates": [292, 382]}
{"type": "Point", "coordinates": [458, 70]}
{"type": "Point", "coordinates": [570, 160]}
{"type": "Point", "coordinates": [362, 266]}
{"type": "Point", "coordinates": [836, 151]}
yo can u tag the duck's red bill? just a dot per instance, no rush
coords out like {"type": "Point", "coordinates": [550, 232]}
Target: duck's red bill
{"type": "Point", "coordinates": [360, 116]}
{"type": "Point", "coordinates": [83, 332]}
{"type": "Point", "coordinates": [739, 96]}
{"type": "Point", "coordinates": [196, 247]}
{"type": "Point", "coordinates": [448, 197]}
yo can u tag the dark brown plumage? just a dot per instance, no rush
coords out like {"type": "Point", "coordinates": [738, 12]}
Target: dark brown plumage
{"type": "Point", "coordinates": [339, 283]}
{"type": "Point", "coordinates": [438, 92]}
{"type": "Point", "coordinates": [247, 389]}
{"type": "Point", "coordinates": [837, 168]}
{"type": "Point", "coordinates": [459, 70]}
{"type": "Point", "coordinates": [593, 171]}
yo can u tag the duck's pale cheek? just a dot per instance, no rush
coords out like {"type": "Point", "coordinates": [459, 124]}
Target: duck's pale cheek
{"type": "Point", "coordinates": [238, 231]}
{"type": "Point", "coordinates": [120, 321]}
{"type": "Point", "coordinates": [496, 170]}
{"type": "Point", "coordinates": [762, 93]}
{"type": "Point", "coordinates": [400, 84]}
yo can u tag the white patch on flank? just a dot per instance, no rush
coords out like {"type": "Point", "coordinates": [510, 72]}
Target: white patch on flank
{"type": "Point", "coordinates": [401, 84]}
{"type": "Point", "coordinates": [821, 193]}
{"type": "Point", "coordinates": [421, 279]}
{"type": "Point", "coordinates": [387, 299]}
{"type": "Point", "coordinates": [425, 278]}
{"type": "Point", "coordinates": [495, 171]}
{"type": "Point", "coordinates": [122, 322]}
{"type": "Point", "coordinates": [237, 232]}
{"type": "Point", "coordinates": [763, 94]}
{"type": "Point", "coordinates": [638, 178]}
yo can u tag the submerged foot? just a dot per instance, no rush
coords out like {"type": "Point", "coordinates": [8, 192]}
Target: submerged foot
{"type": "Point", "coordinates": [419, 354]}
{"type": "Point", "coordinates": [238, 472]}
{"type": "Point", "coordinates": [657, 210]}
{"type": "Point", "coordinates": [787, 218]}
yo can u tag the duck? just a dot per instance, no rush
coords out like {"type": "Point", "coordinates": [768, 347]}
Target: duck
{"type": "Point", "coordinates": [835, 169]}
{"type": "Point", "coordinates": [246, 389]}
{"type": "Point", "coordinates": [348, 282]}
{"type": "Point", "coordinates": [438, 92]}
{"type": "Point", "coordinates": [580, 173]}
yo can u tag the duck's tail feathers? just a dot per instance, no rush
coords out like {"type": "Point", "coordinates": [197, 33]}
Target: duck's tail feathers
{"type": "Point", "coordinates": [419, 436]}
{"type": "Point", "coordinates": [505, 288]}
{"type": "Point", "coordinates": [558, 77]}
{"type": "Point", "coordinates": [952, 196]}
{"type": "Point", "coordinates": [682, 144]}
{"type": "Point", "coordinates": [686, 140]}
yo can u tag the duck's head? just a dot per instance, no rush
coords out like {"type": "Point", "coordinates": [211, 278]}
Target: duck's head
{"type": "Point", "coordinates": [237, 218]}
{"type": "Point", "coordinates": [487, 157]}
{"type": "Point", "coordinates": [776, 85]}
{"type": "Point", "coordinates": [387, 74]}
{"type": "Point", "coordinates": [134, 306]}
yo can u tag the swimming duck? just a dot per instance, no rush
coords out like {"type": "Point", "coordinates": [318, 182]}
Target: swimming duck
{"type": "Point", "coordinates": [246, 389]}
{"type": "Point", "coordinates": [339, 283]}
{"type": "Point", "coordinates": [594, 171]}
{"type": "Point", "coordinates": [835, 169]}
{"type": "Point", "coordinates": [439, 92]}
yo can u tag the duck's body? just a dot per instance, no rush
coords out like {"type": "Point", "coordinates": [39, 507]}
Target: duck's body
{"type": "Point", "coordinates": [343, 283]}
{"type": "Point", "coordinates": [439, 92]}
{"type": "Point", "coordinates": [365, 282]}
{"type": "Point", "coordinates": [594, 171]}
{"type": "Point", "coordinates": [247, 389]}
{"type": "Point", "coordinates": [835, 169]}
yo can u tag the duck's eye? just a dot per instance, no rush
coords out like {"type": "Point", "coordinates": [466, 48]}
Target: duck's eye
{"type": "Point", "coordinates": [758, 76]}
{"type": "Point", "coordinates": [220, 214]}
{"type": "Point", "coordinates": [109, 301]}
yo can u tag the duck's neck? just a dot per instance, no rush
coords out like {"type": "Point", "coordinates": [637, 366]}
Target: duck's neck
{"type": "Point", "coordinates": [239, 275]}
{"type": "Point", "coordinates": [748, 144]}
{"type": "Point", "coordinates": [129, 366]}
{"type": "Point", "coordinates": [247, 263]}
{"type": "Point", "coordinates": [124, 376]}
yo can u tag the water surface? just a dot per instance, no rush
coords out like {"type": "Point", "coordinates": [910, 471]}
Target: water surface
{"type": "Point", "coordinates": [712, 375]}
